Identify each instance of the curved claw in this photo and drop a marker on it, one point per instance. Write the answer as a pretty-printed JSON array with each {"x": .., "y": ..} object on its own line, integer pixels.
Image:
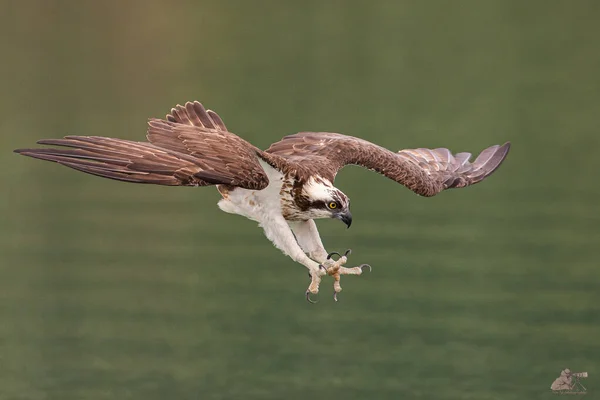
[
  {"x": 309, "y": 299},
  {"x": 348, "y": 252},
  {"x": 335, "y": 296},
  {"x": 332, "y": 253},
  {"x": 365, "y": 265}
]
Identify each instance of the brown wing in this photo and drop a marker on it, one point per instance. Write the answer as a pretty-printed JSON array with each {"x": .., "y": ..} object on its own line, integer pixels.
[
  {"x": 192, "y": 129},
  {"x": 192, "y": 148},
  {"x": 425, "y": 172},
  {"x": 224, "y": 157}
]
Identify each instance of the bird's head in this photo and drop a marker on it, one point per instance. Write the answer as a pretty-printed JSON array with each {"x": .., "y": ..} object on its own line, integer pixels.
[{"x": 323, "y": 200}]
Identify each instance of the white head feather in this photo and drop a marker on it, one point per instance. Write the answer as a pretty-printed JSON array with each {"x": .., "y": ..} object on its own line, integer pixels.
[{"x": 318, "y": 189}]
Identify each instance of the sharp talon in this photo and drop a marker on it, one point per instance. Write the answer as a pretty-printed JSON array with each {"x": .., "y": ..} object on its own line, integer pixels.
[
  {"x": 335, "y": 296},
  {"x": 332, "y": 253},
  {"x": 308, "y": 298},
  {"x": 365, "y": 265},
  {"x": 322, "y": 267},
  {"x": 347, "y": 253}
]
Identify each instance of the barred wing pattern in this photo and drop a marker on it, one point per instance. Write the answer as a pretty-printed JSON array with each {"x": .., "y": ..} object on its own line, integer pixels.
[{"x": 425, "y": 172}]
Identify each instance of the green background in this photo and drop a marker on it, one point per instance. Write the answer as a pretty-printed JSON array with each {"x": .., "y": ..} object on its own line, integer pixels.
[{"x": 113, "y": 290}]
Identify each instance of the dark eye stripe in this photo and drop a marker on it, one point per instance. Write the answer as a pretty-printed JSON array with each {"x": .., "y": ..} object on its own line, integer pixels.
[
  {"x": 325, "y": 204},
  {"x": 318, "y": 204}
]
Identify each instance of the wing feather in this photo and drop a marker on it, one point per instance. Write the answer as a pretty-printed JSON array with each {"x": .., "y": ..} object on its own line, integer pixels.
[
  {"x": 194, "y": 113},
  {"x": 424, "y": 171},
  {"x": 118, "y": 159},
  {"x": 191, "y": 148}
]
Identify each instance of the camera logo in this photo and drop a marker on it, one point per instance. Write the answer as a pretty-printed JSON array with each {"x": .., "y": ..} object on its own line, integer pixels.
[{"x": 569, "y": 383}]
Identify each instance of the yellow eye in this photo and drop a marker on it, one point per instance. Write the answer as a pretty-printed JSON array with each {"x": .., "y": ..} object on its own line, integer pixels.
[{"x": 332, "y": 205}]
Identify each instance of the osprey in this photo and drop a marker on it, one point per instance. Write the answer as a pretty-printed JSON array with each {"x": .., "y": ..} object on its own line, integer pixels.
[{"x": 284, "y": 188}]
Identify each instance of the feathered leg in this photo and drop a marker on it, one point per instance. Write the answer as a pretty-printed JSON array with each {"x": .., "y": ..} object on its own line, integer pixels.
[{"x": 278, "y": 231}]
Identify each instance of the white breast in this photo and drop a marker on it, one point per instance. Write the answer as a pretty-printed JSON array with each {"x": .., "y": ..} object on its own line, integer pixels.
[{"x": 256, "y": 204}]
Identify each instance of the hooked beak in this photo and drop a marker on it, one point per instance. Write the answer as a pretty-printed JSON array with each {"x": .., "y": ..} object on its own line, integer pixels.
[{"x": 345, "y": 217}]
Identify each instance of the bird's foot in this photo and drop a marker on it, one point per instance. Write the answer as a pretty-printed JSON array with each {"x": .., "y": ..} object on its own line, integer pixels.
[
  {"x": 336, "y": 270},
  {"x": 315, "y": 280}
]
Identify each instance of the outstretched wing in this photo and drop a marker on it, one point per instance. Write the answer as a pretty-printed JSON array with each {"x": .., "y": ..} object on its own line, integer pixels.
[
  {"x": 425, "y": 172},
  {"x": 191, "y": 148}
]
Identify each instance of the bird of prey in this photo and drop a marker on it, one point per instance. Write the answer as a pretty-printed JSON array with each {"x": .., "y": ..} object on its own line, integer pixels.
[{"x": 284, "y": 188}]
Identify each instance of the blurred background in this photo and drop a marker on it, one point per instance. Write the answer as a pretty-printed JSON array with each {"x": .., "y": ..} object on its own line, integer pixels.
[{"x": 114, "y": 290}]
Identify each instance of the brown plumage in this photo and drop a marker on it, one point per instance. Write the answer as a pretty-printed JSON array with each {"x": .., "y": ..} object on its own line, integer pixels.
[
  {"x": 425, "y": 172},
  {"x": 192, "y": 147}
]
